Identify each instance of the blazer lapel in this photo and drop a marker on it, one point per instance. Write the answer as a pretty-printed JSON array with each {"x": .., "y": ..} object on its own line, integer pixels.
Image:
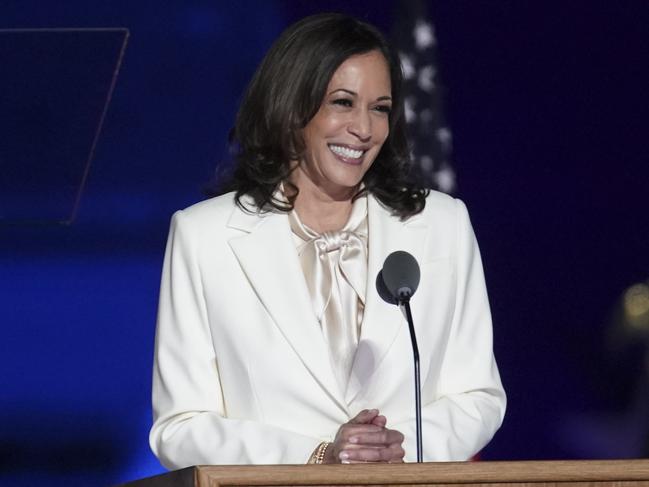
[
  {"x": 268, "y": 258},
  {"x": 382, "y": 321}
]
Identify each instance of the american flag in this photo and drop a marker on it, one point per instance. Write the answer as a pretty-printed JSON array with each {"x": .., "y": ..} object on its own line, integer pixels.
[{"x": 430, "y": 137}]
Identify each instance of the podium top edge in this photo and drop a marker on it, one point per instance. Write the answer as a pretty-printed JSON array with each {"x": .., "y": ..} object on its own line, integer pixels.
[{"x": 432, "y": 472}]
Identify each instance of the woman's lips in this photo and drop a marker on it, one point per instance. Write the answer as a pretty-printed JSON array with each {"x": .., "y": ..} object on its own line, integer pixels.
[{"x": 347, "y": 154}]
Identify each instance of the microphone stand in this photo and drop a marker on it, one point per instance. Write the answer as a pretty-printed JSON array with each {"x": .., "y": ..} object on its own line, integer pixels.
[{"x": 404, "y": 300}]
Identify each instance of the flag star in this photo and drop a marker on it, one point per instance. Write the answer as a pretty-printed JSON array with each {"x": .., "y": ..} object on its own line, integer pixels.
[
  {"x": 445, "y": 138},
  {"x": 409, "y": 108},
  {"x": 426, "y": 163},
  {"x": 424, "y": 35},
  {"x": 407, "y": 65},
  {"x": 425, "y": 80},
  {"x": 426, "y": 116},
  {"x": 445, "y": 179}
]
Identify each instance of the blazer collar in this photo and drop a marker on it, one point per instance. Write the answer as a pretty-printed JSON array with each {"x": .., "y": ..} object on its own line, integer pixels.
[{"x": 269, "y": 259}]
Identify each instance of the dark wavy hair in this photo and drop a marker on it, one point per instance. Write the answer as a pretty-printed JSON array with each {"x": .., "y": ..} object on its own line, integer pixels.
[{"x": 286, "y": 92}]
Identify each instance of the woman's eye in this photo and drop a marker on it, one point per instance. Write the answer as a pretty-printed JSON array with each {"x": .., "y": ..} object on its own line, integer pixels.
[
  {"x": 343, "y": 102},
  {"x": 383, "y": 108}
]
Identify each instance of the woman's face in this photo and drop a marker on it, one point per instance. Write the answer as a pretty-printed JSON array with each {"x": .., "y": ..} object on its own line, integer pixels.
[{"x": 346, "y": 134}]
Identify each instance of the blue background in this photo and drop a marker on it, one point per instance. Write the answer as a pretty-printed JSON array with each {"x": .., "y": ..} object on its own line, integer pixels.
[{"x": 548, "y": 108}]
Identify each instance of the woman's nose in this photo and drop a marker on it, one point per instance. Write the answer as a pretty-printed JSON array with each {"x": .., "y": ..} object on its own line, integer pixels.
[{"x": 361, "y": 125}]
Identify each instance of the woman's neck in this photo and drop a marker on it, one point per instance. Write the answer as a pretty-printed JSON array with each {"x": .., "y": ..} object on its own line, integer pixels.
[
  {"x": 323, "y": 216},
  {"x": 321, "y": 211}
]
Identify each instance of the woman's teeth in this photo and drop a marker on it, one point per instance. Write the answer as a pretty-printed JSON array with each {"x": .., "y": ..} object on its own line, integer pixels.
[{"x": 345, "y": 152}]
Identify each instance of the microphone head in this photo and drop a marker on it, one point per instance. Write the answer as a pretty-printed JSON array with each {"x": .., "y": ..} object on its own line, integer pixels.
[
  {"x": 383, "y": 290},
  {"x": 401, "y": 274}
]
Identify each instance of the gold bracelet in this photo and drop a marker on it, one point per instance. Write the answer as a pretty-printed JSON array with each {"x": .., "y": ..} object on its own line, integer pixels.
[{"x": 317, "y": 457}]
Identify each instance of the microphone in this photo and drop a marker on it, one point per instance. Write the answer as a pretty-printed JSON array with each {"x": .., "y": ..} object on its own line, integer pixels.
[
  {"x": 396, "y": 283},
  {"x": 401, "y": 275}
]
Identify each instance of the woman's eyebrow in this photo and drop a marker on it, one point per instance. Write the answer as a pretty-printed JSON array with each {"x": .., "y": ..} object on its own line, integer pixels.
[{"x": 353, "y": 93}]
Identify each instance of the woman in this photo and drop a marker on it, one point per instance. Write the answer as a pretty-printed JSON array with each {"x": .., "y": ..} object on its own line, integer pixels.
[{"x": 273, "y": 345}]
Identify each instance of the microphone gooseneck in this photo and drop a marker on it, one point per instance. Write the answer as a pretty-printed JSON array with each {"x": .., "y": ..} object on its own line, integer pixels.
[{"x": 396, "y": 284}]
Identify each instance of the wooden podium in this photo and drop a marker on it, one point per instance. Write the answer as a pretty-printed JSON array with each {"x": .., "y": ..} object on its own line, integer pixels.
[{"x": 591, "y": 473}]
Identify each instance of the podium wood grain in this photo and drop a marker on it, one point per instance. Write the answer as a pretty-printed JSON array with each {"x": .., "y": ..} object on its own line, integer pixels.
[{"x": 585, "y": 473}]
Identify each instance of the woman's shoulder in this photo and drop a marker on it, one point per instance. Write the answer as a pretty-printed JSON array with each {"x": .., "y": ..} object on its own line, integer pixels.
[
  {"x": 439, "y": 200},
  {"x": 438, "y": 205},
  {"x": 444, "y": 206},
  {"x": 207, "y": 214}
]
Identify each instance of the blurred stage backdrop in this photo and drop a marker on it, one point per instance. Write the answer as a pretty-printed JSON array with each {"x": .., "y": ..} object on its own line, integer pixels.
[{"x": 546, "y": 105}]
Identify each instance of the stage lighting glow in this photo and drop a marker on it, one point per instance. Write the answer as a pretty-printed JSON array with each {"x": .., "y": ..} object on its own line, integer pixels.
[{"x": 636, "y": 306}]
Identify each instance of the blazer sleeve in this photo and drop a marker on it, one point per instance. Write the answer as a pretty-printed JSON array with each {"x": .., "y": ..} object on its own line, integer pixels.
[
  {"x": 470, "y": 402},
  {"x": 190, "y": 423}
]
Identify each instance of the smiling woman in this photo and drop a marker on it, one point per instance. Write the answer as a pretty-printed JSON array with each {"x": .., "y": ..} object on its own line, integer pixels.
[
  {"x": 273, "y": 346},
  {"x": 293, "y": 88}
]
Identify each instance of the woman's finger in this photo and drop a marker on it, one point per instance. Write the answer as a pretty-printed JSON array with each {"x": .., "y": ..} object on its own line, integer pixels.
[
  {"x": 398, "y": 453},
  {"x": 348, "y": 430},
  {"x": 365, "y": 416},
  {"x": 384, "y": 437},
  {"x": 380, "y": 420},
  {"x": 367, "y": 455}
]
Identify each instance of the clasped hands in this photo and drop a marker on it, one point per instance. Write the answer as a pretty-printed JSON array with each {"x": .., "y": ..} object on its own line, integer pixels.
[{"x": 365, "y": 439}]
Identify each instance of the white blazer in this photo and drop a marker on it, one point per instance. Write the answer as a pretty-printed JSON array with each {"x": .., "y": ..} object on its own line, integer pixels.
[{"x": 242, "y": 373}]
